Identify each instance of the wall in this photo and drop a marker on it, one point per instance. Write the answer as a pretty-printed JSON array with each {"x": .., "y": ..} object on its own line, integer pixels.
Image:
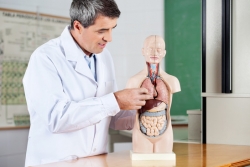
[
  {"x": 227, "y": 114},
  {"x": 139, "y": 19},
  {"x": 13, "y": 144},
  {"x": 55, "y": 7},
  {"x": 183, "y": 59},
  {"x": 241, "y": 50},
  {"x": 213, "y": 46}
]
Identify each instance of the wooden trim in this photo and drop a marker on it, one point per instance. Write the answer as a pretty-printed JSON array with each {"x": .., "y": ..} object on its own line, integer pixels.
[
  {"x": 226, "y": 95},
  {"x": 33, "y": 13},
  {"x": 14, "y": 127}
]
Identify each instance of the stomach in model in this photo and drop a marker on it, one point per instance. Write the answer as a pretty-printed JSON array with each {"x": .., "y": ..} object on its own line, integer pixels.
[{"x": 161, "y": 107}]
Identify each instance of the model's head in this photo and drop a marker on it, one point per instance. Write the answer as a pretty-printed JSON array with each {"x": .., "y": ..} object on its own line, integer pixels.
[
  {"x": 154, "y": 49},
  {"x": 92, "y": 22}
]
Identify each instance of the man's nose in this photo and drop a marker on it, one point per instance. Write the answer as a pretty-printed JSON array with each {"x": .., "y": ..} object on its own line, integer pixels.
[{"x": 108, "y": 36}]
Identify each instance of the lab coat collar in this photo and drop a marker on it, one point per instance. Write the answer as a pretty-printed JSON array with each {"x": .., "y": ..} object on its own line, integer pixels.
[
  {"x": 83, "y": 68},
  {"x": 71, "y": 48},
  {"x": 74, "y": 53}
]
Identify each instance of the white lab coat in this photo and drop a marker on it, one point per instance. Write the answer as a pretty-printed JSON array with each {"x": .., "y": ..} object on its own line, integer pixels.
[{"x": 70, "y": 112}]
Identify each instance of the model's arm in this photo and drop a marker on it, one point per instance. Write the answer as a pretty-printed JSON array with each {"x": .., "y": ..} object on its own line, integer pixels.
[
  {"x": 46, "y": 99},
  {"x": 175, "y": 85},
  {"x": 123, "y": 120}
]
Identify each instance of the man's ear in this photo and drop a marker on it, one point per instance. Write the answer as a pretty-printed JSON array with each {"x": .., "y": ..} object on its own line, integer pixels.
[{"x": 77, "y": 26}]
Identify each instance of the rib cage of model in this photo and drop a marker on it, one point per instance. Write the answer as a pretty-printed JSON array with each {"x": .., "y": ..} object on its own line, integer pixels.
[{"x": 152, "y": 133}]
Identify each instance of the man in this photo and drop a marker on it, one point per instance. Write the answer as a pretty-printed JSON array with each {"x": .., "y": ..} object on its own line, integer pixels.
[{"x": 69, "y": 85}]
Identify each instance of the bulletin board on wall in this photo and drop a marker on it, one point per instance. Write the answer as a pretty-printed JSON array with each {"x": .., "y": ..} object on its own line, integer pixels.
[{"x": 20, "y": 34}]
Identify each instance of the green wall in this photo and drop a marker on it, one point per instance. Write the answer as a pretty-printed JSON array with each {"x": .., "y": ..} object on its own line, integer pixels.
[{"x": 183, "y": 58}]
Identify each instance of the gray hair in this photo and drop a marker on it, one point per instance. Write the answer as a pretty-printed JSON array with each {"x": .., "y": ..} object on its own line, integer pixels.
[{"x": 86, "y": 11}]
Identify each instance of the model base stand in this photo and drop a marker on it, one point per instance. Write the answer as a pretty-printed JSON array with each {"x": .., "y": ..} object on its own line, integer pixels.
[{"x": 140, "y": 159}]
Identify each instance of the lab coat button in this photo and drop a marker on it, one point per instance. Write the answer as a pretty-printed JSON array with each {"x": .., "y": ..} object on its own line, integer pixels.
[{"x": 94, "y": 149}]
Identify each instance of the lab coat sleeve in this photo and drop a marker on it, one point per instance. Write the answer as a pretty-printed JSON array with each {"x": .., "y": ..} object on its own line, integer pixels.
[
  {"x": 124, "y": 120},
  {"x": 46, "y": 99}
]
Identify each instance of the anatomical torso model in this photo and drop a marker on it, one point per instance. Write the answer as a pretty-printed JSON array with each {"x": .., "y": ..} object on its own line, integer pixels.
[{"x": 152, "y": 132}]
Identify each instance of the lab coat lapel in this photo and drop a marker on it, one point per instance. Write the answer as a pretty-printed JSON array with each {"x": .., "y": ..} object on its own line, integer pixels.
[
  {"x": 74, "y": 53},
  {"x": 99, "y": 68},
  {"x": 100, "y": 75},
  {"x": 83, "y": 68},
  {"x": 69, "y": 46}
]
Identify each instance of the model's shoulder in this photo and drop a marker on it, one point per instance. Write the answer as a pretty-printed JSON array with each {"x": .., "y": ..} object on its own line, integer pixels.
[
  {"x": 168, "y": 76},
  {"x": 140, "y": 75},
  {"x": 136, "y": 80},
  {"x": 172, "y": 81}
]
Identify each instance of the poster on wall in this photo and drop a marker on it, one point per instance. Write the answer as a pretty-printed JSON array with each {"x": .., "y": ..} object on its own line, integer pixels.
[{"x": 20, "y": 34}]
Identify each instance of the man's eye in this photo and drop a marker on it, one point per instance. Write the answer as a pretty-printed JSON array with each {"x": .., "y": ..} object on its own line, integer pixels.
[{"x": 100, "y": 32}]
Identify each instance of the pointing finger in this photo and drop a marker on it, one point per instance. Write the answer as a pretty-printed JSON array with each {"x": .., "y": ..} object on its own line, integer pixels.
[
  {"x": 140, "y": 103},
  {"x": 143, "y": 91},
  {"x": 144, "y": 97}
]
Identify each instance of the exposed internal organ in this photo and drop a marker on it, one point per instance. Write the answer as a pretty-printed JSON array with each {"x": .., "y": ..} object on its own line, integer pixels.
[
  {"x": 150, "y": 104},
  {"x": 153, "y": 124},
  {"x": 156, "y": 88}
]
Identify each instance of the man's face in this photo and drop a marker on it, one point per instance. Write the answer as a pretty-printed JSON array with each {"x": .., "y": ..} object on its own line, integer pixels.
[
  {"x": 154, "y": 49},
  {"x": 94, "y": 38}
]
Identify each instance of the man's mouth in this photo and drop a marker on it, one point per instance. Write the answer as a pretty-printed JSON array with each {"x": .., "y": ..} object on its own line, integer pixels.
[{"x": 102, "y": 45}]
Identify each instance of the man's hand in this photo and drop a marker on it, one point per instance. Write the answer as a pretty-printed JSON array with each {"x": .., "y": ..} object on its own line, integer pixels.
[{"x": 132, "y": 99}]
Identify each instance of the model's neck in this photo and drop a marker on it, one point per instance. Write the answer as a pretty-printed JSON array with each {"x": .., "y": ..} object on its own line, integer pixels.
[{"x": 153, "y": 71}]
